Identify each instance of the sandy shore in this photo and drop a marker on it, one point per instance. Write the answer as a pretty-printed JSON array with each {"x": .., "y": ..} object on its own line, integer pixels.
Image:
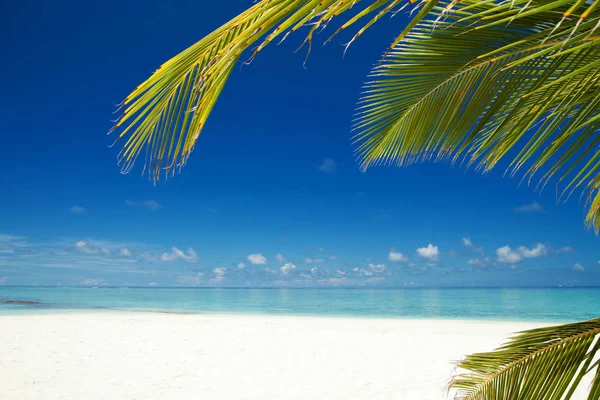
[{"x": 161, "y": 356}]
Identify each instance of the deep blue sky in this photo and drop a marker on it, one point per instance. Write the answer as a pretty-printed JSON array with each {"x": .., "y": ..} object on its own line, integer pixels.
[{"x": 253, "y": 184}]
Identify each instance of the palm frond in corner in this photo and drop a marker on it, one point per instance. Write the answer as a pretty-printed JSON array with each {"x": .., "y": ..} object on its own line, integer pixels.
[
  {"x": 485, "y": 80},
  {"x": 547, "y": 363}
]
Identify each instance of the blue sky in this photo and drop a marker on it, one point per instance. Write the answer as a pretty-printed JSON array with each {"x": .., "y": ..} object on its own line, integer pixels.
[{"x": 272, "y": 174}]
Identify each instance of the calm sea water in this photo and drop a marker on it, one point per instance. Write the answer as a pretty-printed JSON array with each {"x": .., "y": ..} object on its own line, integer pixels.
[{"x": 560, "y": 305}]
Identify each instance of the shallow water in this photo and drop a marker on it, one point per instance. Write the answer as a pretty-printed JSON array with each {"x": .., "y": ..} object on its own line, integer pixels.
[{"x": 539, "y": 304}]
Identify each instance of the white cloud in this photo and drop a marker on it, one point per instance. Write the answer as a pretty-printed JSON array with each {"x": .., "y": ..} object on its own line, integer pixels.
[
  {"x": 77, "y": 210},
  {"x": 241, "y": 265},
  {"x": 257, "y": 259},
  {"x": 430, "y": 252},
  {"x": 378, "y": 268},
  {"x": 287, "y": 268},
  {"x": 149, "y": 204},
  {"x": 467, "y": 242},
  {"x": 94, "y": 247},
  {"x": 374, "y": 280},
  {"x": 327, "y": 166},
  {"x": 309, "y": 260},
  {"x": 85, "y": 247},
  {"x": 395, "y": 256},
  {"x": 507, "y": 255},
  {"x": 280, "y": 258},
  {"x": 578, "y": 267},
  {"x": 176, "y": 254},
  {"x": 219, "y": 274},
  {"x": 3, "y": 280},
  {"x": 538, "y": 251},
  {"x": 91, "y": 282},
  {"x": 340, "y": 272},
  {"x": 153, "y": 284},
  {"x": 333, "y": 257},
  {"x": 479, "y": 261},
  {"x": 314, "y": 270},
  {"x": 530, "y": 208},
  {"x": 372, "y": 270},
  {"x": 125, "y": 252}
]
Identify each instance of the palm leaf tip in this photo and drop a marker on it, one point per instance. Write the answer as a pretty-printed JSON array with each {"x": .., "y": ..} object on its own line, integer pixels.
[
  {"x": 545, "y": 363},
  {"x": 164, "y": 116}
]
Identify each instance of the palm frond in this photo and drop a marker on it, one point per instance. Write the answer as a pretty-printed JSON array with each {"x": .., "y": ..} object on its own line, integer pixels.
[
  {"x": 481, "y": 80},
  {"x": 165, "y": 114},
  {"x": 547, "y": 363}
]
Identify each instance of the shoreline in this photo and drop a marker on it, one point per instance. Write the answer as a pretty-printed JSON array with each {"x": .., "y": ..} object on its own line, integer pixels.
[
  {"x": 43, "y": 310},
  {"x": 124, "y": 355}
]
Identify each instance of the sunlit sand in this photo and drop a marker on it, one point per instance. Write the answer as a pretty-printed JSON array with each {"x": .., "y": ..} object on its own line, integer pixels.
[{"x": 118, "y": 355}]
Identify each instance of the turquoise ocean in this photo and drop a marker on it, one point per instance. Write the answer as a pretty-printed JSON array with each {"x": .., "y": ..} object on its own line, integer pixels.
[{"x": 539, "y": 304}]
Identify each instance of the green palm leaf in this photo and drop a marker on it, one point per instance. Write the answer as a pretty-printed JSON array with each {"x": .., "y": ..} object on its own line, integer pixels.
[
  {"x": 546, "y": 363},
  {"x": 482, "y": 80},
  {"x": 165, "y": 114}
]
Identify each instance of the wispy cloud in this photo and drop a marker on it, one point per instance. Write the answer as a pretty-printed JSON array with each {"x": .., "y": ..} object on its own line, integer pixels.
[
  {"x": 309, "y": 260},
  {"x": 530, "y": 208},
  {"x": 219, "y": 275},
  {"x": 467, "y": 242},
  {"x": 564, "y": 249},
  {"x": 280, "y": 258},
  {"x": 578, "y": 268},
  {"x": 87, "y": 248},
  {"x": 373, "y": 269},
  {"x": 10, "y": 238},
  {"x": 149, "y": 204},
  {"x": 125, "y": 252},
  {"x": 327, "y": 166},
  {"x": 77, "y": 209},
  {"x": 395, "y": 256},
  {"x": 480, "y": 262}
]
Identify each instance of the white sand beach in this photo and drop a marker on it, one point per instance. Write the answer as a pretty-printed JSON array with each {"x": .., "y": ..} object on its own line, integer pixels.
[{"x": 113, "y": 355}]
